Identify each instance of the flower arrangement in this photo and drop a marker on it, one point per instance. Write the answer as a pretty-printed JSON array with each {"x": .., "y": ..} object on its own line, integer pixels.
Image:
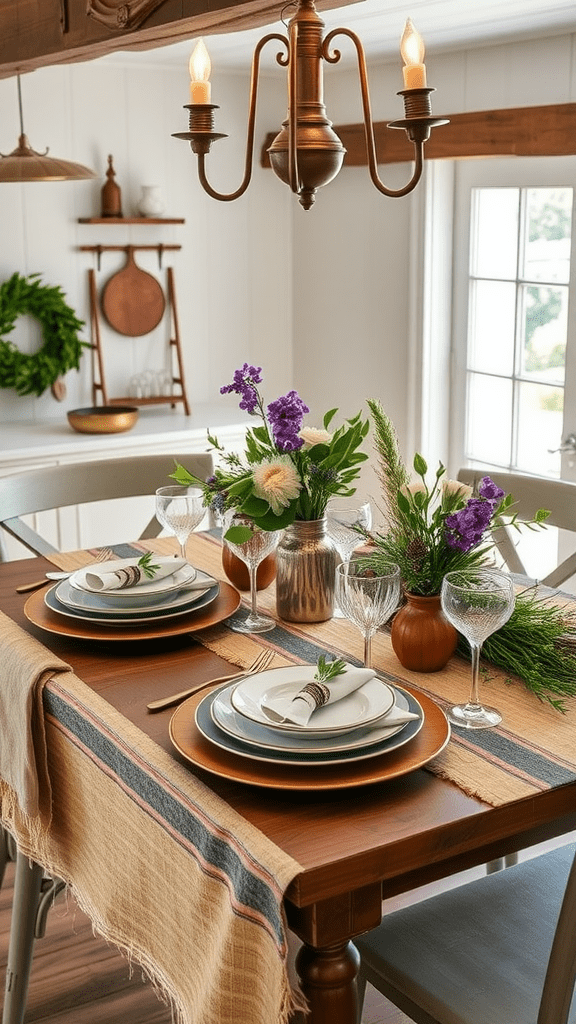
[
  {"x": 288, "y": 471},
  {"x": 434, "y": 529}
]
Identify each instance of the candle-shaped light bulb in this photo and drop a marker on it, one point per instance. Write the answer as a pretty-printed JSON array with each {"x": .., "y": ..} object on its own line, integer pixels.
[
  {"x": 412, "y": 50},
  {"x": 200, "y": 68}
]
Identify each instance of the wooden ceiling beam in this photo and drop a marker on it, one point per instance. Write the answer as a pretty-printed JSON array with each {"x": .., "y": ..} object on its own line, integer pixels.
[
  {"x": 518, "y": 131},
  {"x": 37, "y": 33}
]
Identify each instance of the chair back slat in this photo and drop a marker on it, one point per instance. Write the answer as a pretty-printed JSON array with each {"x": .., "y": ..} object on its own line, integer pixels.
[
  {"x": 558, "y": 990},
  {"x": 55, "y": 487},
  {"x": 531, "y": 493}
]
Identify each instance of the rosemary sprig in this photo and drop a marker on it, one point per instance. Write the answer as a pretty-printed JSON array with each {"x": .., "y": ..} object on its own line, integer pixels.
[
  {"x": 144, "y": 563},
  {"x": 326, "y": 670},
  {"x": 537, "y": 644}
]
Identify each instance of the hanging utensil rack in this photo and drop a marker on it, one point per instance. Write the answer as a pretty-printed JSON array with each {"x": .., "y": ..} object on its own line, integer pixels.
[{"x": 99, "y": 387}]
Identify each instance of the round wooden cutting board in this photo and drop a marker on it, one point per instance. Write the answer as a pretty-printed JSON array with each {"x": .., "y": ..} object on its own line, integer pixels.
[{"x": 132, "y": 300}]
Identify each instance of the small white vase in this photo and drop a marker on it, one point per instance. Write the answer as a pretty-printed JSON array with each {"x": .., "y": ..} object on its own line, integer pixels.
[{"x": 151, "y": 203}]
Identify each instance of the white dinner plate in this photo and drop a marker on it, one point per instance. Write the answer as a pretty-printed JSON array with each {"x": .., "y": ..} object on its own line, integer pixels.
[
  {"x": 227, "y": 719},
  {"x": 83, "y": 600},
  {"x": 213, "y": 734},
  {"x": 132, "y": 595},
  {"x": 359, "y": 708},
  {"x": 117, "y": 619}
]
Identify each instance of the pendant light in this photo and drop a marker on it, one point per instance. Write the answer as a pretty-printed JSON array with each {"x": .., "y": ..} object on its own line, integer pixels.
[{"x": 25, "y": 164}]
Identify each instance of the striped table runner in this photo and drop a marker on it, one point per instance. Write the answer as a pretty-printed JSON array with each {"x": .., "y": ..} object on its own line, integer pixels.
[{"x": 534, "y": 749}]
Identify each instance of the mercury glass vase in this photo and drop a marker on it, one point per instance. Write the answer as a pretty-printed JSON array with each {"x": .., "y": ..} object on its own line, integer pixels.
[{"x": 306, "y": 560}]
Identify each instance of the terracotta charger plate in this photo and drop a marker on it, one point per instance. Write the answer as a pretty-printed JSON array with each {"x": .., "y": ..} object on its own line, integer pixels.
[
  {"x": 191, "y": 744},
  {"x": 40, "y": 615}
]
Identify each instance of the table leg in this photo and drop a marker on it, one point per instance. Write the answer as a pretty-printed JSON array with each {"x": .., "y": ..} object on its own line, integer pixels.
[
  {"x": 27, "y": 889},
  {"x": 7, "y": 851},
  {"x": 328, "y": 962},
  {"x": 328, "y": 980}
]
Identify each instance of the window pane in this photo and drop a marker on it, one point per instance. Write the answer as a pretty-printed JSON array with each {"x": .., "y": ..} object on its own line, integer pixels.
[
  {"x": 489, "y": 426},
  {"x": 540, "y": 411},
  {"x": 544, "y": 323},
  {"x": 495, "y": 232},
  {"x": 491, "y": 321},
  {"x": 547, "y": 234}
]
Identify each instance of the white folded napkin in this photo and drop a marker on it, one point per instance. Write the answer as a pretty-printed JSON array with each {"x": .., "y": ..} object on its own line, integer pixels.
[
  {"x": 391, "y": 720},
  {"x": 130, "y": 574},
  {"x": 298, "y": 709}
]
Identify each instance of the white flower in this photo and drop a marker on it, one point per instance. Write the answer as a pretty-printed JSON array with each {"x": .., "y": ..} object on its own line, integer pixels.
[
  {"x": 409, "y": 490},
  {"x": 277, "y": 482},
  {"x": 314, "y": 435},
  {"x": 455, "y": 489}
]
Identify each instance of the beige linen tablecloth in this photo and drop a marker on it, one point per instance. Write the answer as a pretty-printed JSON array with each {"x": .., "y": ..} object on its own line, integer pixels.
[{"x": 164, "y": 868}]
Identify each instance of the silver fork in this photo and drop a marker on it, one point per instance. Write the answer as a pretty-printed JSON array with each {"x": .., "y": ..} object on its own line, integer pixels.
[
  {"x": 260, "y": 663},
  {"x": 102, "y": 556}
]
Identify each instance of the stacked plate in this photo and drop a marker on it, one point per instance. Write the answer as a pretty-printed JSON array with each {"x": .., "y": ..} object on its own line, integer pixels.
[
  {"x": 183, "y": 591},
  {"x": 366, "y": 723}
]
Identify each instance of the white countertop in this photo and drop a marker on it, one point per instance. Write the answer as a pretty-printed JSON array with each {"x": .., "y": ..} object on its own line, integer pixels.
[{"x": 155, "y": 428}]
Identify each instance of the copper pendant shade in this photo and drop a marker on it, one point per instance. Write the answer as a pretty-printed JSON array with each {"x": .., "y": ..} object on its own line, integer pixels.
[{"x": 25, "y": 164}]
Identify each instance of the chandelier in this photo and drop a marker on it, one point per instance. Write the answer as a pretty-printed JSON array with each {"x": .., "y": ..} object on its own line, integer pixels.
[{"x": 307, "y": 152}]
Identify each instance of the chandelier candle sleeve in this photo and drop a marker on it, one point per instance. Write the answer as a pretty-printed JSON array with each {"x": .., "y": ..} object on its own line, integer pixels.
[
  {"x": 412, "y": 50},
  {"x": 200, "y": 68}
]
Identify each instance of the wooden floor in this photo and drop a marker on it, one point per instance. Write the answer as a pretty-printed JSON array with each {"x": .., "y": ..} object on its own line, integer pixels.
[{"x": 78, "y": 979}]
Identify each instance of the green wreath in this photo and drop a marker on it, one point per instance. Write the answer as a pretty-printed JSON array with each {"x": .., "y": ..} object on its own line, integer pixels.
[{"x": 62, "y": 348}]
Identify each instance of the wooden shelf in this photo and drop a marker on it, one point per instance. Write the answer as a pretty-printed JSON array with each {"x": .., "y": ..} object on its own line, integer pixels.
[
  {"x": 152, "y": 400},
  {"x": 131, "y": 220}
]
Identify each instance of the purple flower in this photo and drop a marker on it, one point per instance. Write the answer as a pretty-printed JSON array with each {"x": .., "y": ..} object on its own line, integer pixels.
[
  {"x": 285, "y": 416},
  {"x": 465, "y": 529},
  {"x": 489, "y": 490},
  {"x": 244, "y": 384}
]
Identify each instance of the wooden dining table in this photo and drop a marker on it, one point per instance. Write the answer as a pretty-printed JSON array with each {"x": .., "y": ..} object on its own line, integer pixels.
[{"x": 356, "y": 846}]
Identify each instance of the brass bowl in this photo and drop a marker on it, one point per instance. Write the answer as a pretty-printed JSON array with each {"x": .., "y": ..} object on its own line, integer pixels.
[{"x": 103, "y": 419}]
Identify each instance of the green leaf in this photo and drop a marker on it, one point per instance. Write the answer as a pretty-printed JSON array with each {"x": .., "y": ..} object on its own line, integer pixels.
[
  {"x": 403, "y": 503},
  {"x": 254, "y": 507},
  {"x": 329, "y": 417},
  {"x": 238, "y": 534},
  {"x": 420, "y": 465}
]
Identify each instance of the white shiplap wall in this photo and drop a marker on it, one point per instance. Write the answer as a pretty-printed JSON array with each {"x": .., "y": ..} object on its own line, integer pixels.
[{"x": 328, "y": 301}]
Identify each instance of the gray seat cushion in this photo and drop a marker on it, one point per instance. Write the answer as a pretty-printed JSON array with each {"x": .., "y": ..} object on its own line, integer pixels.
[{"x": 477, "y": 954}]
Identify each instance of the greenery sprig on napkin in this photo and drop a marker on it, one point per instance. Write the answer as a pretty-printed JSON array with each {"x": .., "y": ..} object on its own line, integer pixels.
[
  {"x": 326, "y": 670},
  {"x": 148, "y": 569}
]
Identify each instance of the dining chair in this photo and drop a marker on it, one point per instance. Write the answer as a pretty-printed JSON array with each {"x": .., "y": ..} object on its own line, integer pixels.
[
  {"x": 53, "y": 487},
  {"x": 498, "y": 950},
  {"x": 23, "y": 494},
  {"x": 531, "y": 493}
]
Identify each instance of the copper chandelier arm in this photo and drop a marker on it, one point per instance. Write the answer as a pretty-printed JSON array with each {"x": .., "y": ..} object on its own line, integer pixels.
[
  {"x": 248, "y": 163},
  {"x": 293, "y": 175},
  {"x": 333, "y": 58}
]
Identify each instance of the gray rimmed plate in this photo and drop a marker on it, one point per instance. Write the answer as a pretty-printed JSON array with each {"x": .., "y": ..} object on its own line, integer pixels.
[
  {"x": 213, "y": 734},
  {"x": 119, "y": 619}
]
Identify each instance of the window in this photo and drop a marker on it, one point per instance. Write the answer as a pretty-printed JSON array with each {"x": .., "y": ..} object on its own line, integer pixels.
[{"x": 518, "y": 292}]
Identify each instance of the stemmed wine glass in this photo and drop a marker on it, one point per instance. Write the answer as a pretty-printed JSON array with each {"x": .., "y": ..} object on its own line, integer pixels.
[
  {"x": 341, "y": 522},
  {"x": 367, "y": 598},
  {"x": 252, "y": 551},
  {"x": 180, "y": 509},
  {"x": 477, "y": 602}
]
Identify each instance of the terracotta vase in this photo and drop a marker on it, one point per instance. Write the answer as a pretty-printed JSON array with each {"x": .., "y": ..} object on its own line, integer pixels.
[
  {"x": 422, "y": 638},
  {"x": 237, "y": 570}
]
